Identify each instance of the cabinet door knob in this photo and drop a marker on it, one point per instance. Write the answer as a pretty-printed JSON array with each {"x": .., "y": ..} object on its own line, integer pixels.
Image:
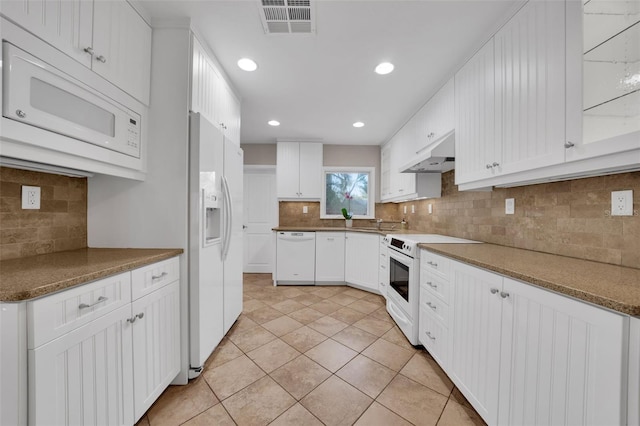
[
  {"x": 20, "y": 113},
  {"x": 504, "y": 294},
  {"x": 89, "y": 50},
  {"x": 494, "y": 290},
  {"x": 101, "y": 59},
  {"x": 489, "y": 166},
  {"x": 568, "y": 144},
  {"x": 495, "y": 164}
]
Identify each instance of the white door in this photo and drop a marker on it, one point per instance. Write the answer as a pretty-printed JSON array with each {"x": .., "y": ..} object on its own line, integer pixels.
[{"x": 260, "y": 216}]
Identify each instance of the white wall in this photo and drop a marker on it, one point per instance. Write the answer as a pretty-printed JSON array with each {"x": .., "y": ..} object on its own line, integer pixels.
[{"x": 153, "y": 213}]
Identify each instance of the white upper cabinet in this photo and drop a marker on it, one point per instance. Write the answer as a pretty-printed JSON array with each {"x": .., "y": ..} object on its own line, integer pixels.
[
  {"x": 529, "y": 91},
  {"x": 398, "y": 186},
  {"x": 510, "y": 99},
  {"x": 603, "y": 100},
  {"x": 436, "y": 118},
  {"x": 299, "y": 170},
  {"x": 122, "y": 47},
  {"x": 109, "y": 37},
  {"x": 211, "y": 96},
  {"x": 475, "y": 116},
  {"x": 205, "y": 84},
  {"x": 66, "y": 25}
]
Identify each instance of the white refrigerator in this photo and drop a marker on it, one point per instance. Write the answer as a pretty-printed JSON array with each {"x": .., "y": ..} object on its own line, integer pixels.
[{"x": 215, "y": 238}]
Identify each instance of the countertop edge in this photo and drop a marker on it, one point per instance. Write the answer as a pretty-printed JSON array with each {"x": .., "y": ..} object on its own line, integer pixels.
[
  {"x": 582, "y": 295},
  {"x": 21, "y": 295}
]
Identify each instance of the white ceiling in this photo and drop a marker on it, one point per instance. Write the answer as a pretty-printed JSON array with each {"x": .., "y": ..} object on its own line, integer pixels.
[{"x": 318, "y": 85}]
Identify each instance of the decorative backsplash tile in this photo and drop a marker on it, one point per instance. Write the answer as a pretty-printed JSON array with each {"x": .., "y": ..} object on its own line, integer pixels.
[
  {"x": 60, "y": 224},
  {"x": 570, "y": 218}
]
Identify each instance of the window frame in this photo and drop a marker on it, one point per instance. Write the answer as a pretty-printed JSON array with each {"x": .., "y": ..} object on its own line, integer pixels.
[{"x": 370, "y": 191}]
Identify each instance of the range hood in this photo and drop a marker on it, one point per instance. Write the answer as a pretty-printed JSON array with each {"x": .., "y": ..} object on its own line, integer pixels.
[{"x": 436, "y": 158}]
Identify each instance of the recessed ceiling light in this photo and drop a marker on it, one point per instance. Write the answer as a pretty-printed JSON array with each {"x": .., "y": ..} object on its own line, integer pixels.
[
  {"x": 273, "y": 123},
  {"x": 358, "y": 124},
  {"x": 384, "y": 68},
  {"x": 247, "y": 64}
]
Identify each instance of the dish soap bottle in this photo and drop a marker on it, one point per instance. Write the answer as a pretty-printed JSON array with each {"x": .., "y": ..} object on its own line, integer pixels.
[{"x": 403, "y": 224}]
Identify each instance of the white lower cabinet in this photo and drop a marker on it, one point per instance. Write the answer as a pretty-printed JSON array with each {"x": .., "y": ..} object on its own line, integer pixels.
[
  {"x": 156, "y": 344},
  {"x": 330, "y": 257},
  {"x": 362, "y": 260},
  {"x": 97, "y": 356},
  {"x": 562, "y": 361},
  {"x": 524, "y": 355},
  {"x": 475, "y": 337},
  {"x": 383, "y": 271},
  {"x": 84, "y": 377}
]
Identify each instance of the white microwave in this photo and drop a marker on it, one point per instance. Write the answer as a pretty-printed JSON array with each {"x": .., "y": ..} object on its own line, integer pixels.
[{"x": 37, "y": 94}]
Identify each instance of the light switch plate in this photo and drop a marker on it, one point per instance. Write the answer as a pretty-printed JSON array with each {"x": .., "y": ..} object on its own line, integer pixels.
[
  {"x": 430, "y": 208},
  {"x": 413, "y": 208},
  {"x": 622, "y": 203},
  {"x": 30, "y": 197},
  {"x": 510, "y": 206}
]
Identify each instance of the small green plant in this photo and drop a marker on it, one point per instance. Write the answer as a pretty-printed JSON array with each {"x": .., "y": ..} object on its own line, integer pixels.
[{"x": 346, "y": 214}]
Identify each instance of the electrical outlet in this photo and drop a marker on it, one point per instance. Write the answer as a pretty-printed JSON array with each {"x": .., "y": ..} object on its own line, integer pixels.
[
  {"x": 413, "y": 208},
  {"x": 305, "y": 209},
  {"x": 405, "y": 209},
  {"x": 622, "y": 203},
  {"x": 30, "y": 197},
  {"x": 430, "y": 208},
  {"x": 510, "y": 206}
]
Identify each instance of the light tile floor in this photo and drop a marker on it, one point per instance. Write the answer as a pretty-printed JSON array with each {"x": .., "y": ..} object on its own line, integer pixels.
[{"x": 312, "y": 356}]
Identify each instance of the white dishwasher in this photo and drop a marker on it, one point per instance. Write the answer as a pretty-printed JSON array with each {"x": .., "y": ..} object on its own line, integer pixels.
[{"x": 295, "y": 258}]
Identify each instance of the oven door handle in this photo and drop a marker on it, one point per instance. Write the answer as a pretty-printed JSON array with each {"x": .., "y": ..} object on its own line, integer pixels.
[{"x": 399, "y": 316}]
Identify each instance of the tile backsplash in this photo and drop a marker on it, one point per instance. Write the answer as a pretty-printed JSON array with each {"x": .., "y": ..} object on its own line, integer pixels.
[
  {"x": 60, "y": 224},
  {"x": 570, "y": 218}
]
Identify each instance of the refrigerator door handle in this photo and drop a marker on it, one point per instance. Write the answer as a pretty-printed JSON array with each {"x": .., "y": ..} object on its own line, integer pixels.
[{"x": 228, "y": 218}]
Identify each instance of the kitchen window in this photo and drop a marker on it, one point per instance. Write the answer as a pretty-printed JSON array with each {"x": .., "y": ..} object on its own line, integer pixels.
[{"x": 352, "y": 188}]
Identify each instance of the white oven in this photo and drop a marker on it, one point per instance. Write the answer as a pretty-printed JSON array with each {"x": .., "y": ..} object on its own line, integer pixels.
[
  {"x": 37, "y": 94},
  {"x": 403, "y": 292}
]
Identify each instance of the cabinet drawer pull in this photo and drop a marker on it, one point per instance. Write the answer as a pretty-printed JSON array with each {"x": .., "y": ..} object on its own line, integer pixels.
[
  {"x": 383, "y": 267},
  {"x": 504, "y": 294},
  {"x": 494, "y": 290},
  {"x": 435, "y": 265},
  {"x": 432, "y": 285},
  {"x": 89, "y": 50},
  {"x": 568, "y": 145},
  {"x": 432, "y": 306},
  {"x": 100, "y": 300},
  {"x": 330, "y": 239},
  {"x": 430, "y": 336},
  {"x": 157, "y": 277},
  {"x": 101, "y": 59}
]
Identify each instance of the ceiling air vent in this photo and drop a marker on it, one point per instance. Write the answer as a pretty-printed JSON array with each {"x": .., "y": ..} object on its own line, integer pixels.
[{"x": 287, "y": 16}]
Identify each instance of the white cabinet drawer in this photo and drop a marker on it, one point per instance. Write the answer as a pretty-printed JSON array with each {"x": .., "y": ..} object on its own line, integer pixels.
[
  {"x": 435, "y": 284},
  {"x": 435, "y": 264},
  {"x": 438, "y": 308},
  {"x": 52, "y": 316},
  {"x": 433, "y": 335},
  {"x": 150, "y": 278}
]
